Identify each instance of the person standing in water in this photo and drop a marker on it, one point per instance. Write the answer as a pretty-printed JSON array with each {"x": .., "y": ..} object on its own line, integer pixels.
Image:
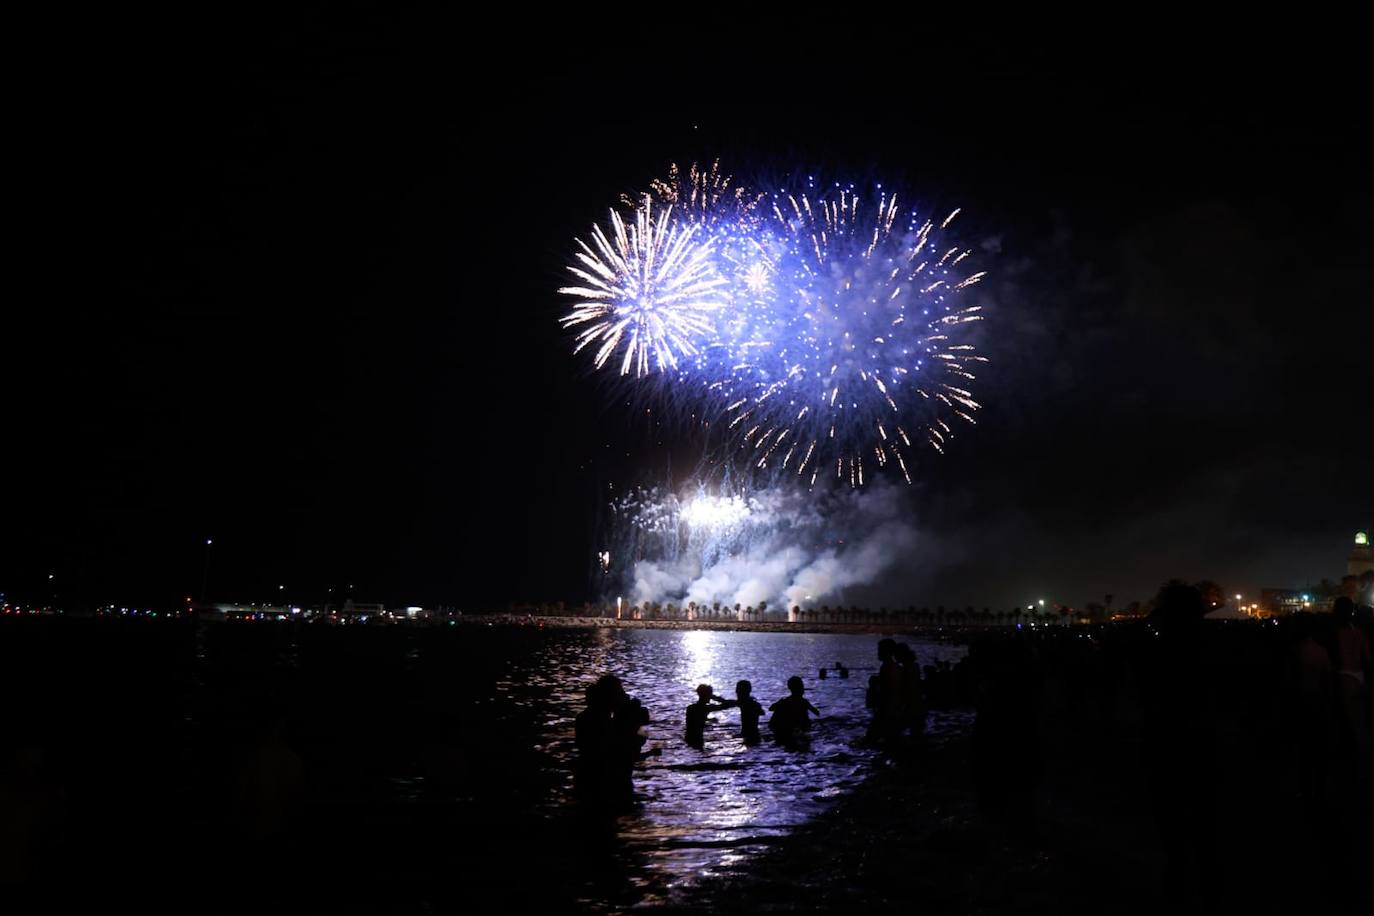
[
  {"x": 750, "y": 711},
  {"x": 698, "y": 713},
  {"x": 601, "y": 776},
  {"x": 791, "y": 714}
]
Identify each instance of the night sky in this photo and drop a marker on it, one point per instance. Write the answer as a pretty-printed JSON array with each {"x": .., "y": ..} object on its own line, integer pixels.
[{"x": 295, "y": 291}]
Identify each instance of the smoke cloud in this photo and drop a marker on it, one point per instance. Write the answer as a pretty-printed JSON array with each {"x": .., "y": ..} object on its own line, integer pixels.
[{"x": 784, "y": 546}]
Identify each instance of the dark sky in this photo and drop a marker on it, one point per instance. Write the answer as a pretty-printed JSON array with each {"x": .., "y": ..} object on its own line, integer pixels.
[{"x": 295, "y": 290}]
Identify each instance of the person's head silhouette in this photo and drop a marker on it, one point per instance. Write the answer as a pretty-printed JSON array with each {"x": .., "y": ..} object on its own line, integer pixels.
[{"x": 1178, "y": 609}]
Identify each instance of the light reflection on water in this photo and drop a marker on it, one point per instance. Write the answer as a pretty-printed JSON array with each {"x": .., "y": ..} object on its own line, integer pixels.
[{"x": 706, "y": 812}]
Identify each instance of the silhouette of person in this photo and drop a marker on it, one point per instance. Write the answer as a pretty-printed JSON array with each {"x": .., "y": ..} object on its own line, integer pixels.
[
  {"x": 1180, "y": 738},
  {"x": 604, "y": 759},
  {"x": 750, "y": 711},
  {"x": 1314, "y": 712},
  {"x": 913, "y": 703},
  {"x": 698, "y": 712},
  {"x": 1006, "y": 729},
  {"x": 888, "y": 699},
  {"x": 630, "y": 720},
  {"x": 31, "y": 807},
  {"x": 1353, "y": 660},
  {"x": 791, "y": 715},
  {"x": 271, "y": 777}
]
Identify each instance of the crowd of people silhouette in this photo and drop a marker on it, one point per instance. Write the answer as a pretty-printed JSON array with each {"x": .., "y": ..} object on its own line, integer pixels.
[{"x": 610, "y": 732}]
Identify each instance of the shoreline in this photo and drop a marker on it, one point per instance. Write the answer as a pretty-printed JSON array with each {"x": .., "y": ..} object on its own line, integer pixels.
[{"x": 738, "y": 626}]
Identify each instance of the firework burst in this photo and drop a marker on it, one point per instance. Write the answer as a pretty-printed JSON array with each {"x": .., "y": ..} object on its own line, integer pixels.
[
  {"x": 706, "y": 197},
  {"x": 650, "y": 289},
  {"x": 853, "y": 353},
  {"x": 823, "y": 330}
]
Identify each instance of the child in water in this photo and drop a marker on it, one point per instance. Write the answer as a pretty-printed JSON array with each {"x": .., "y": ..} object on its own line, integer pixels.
[
  {"x": 791, "y": 715},
  {"x": 697, "y": 714},
  {"x": 750, "y": 711}
]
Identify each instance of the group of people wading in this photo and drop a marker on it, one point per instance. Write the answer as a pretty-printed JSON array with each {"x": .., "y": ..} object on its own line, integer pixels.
[{"x": 611, "y": 731}]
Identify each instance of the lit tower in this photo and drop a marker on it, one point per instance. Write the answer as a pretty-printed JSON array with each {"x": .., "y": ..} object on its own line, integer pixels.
[{"x": 1361, "y": 559}]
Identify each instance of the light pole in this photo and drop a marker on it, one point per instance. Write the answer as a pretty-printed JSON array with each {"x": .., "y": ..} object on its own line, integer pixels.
[{"x": 205, "y": 573}]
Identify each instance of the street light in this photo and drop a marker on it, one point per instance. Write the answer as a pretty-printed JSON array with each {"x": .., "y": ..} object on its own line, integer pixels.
[{"x": 205, "y": 573}]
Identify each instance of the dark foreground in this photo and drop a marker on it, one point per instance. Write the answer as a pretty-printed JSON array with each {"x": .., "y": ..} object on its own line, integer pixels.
[
  {"x": 1067, "y": 811},
  {"x": 231, "y": 768}
]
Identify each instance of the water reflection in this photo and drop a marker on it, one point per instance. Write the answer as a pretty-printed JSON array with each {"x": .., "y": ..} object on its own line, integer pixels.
[
  {"x": 700, "y": 654},
  {"x": 706, "y": 812}
]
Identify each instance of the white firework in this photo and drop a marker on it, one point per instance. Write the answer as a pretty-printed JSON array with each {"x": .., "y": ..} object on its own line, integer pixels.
[{"x": 651, "y": 289}]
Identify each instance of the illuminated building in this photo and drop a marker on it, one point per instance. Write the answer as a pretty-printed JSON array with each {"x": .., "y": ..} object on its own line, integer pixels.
[
  {"x": 1361, "y": 559},
  {"x": 1296, "y": 600}
]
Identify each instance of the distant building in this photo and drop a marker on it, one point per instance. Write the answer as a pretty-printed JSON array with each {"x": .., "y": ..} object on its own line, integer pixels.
[
  {"x": 355, "y": 609},
  {"x": 228, "y": 611},
  {"x": 1361, "y": 559},
  {"x": 1296, "y": 600}
]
